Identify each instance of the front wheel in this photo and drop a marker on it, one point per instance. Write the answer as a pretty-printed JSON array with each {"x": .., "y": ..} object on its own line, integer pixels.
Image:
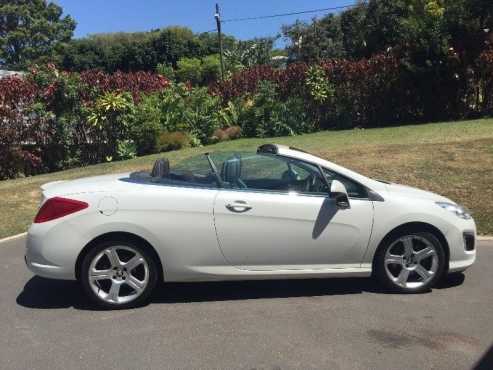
[
  {"x": 410, "y": 262},
  {"x": 118, "y": 274}
]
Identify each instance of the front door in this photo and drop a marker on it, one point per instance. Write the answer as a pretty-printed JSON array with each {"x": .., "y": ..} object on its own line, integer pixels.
[{"x": 279, "y": 217}]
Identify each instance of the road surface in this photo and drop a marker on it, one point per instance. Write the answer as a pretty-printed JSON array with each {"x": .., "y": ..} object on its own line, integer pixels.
[{"x": 306, "y": 324}]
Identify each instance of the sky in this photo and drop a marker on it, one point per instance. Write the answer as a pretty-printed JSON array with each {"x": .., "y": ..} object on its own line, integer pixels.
[{"x": 97, "y": 16}]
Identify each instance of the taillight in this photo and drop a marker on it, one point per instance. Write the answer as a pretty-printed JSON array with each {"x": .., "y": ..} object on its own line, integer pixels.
[{"x": 58, "y": 207}]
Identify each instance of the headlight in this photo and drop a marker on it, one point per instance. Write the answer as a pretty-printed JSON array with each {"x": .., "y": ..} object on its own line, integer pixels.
[{"x": 460, "y": 211}]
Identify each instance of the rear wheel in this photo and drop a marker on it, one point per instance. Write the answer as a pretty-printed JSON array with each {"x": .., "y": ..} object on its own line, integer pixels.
[
  {"x": 410, "y": 262},
  {"x": 118, "y": 274}
]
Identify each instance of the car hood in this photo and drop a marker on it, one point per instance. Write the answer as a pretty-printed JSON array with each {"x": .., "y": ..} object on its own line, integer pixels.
[
  {"x": 410, "y": 192},
  {"x": 86, "y": 185}
]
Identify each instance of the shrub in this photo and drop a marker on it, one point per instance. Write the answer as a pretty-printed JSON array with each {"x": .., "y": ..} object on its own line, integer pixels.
[
  {"x": 126, "y": 149},
  {"x": 198, "y": 71},
  {"x": 318, "y": 85},
  {"x": 166, "y": 70},
  {"x": 211, "y": 69},
  {"x": 233, "y": 132},
  {"x": 224, "y": 134},
  {"x": 17, "y": 96},
  {"x": 135, "y": 83},
  {"x": 186, "y": 109},
  {"x": 168, "y": 141},
  {"x": 269, "y": 116},
  {"x": 245, "y": 82},
  {"x": 146, "y": 125},
  {"x": 189, "y": 70},
  {"x": 111, "y": 116}
]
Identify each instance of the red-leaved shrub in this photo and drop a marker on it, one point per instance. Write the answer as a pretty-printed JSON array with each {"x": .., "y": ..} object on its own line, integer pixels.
[{"x": 135, "y": 83}]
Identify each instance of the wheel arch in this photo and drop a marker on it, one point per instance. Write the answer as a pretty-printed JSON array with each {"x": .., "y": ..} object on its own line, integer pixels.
[
  {"x": 118, "y": 235},
  {"x": 414, "y": 227}
]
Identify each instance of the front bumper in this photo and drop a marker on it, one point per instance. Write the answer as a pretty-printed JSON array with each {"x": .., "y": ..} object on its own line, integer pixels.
[{"x": 461, "y": 254}]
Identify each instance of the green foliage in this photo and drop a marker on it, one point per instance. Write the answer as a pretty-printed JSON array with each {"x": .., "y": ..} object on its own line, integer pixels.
[
  {"x": 112, "y": 116},
  {"x": 270, "y": 116},
  {"x": 166, "y": 70},
  {"x": 422, "y": 32},
  {"x": 313, "y": 42},
  {"x": 138, "y": 51},
  {"x": 198, "y": 71},
  {"x": 147, "y": 124},
  {"x": 126, "y": 149},
  {"x": 245, "y": 54},
  {"x": 211, "y": 69},
  {"x": 30, "y": 30},
  {"x": 179, "y": 108},
  {"x": 318, "y": 84},
  {"x": 189, "y": 70}
]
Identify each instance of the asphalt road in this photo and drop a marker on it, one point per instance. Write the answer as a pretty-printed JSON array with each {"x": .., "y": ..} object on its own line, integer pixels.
[{"x": 319, "y": 324}]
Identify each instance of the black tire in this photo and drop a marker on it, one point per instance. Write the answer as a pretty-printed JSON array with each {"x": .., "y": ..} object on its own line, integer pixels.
[
  {"x": 146, "y": 292},
  {"x": 382, "y": 273}
]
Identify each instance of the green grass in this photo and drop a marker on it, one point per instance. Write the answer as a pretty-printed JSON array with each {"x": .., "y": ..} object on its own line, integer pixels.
[{"x": 453, "y": 159}]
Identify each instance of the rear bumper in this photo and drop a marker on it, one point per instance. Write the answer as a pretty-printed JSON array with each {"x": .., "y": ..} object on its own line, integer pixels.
[
  {"x": 47, "y": 271},
  {"x": 49, "y": 254}
]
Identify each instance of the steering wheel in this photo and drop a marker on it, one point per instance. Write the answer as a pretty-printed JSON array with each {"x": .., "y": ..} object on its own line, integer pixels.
[
  {"x": 310, "y": 183},
  {"x": 315, "y": 184}
]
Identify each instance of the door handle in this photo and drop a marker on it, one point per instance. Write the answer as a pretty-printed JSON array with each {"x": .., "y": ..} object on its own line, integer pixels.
[{"x": 238, "y": 206}]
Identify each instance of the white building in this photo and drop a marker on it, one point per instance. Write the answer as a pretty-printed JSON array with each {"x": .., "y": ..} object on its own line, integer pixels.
[{"x": 5, "y": 73}]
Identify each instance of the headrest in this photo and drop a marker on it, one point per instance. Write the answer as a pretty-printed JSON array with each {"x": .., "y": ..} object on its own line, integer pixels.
[
  {"x": 161, "y": 168},
  {"x": 231, "y": 170}
]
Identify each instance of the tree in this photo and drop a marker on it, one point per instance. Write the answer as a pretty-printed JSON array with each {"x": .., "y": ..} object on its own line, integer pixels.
[
  {"x": 31, "y": 29},
  {"x": 245, "y": 54},
  {"x": 137, "y": 51},
  {"x": 321, "y": 39}
]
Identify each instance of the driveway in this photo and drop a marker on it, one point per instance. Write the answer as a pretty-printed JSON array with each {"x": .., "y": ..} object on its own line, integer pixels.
[{"x": 319, "y": 324}]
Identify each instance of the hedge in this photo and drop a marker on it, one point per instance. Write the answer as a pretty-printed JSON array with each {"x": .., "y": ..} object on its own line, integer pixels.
[{"x": 50, "y": 120}]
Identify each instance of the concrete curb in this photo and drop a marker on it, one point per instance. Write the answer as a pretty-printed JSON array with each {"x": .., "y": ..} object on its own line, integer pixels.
[
  {"x": 12, "y": 237},
  {"x": 485, "y": 238}
]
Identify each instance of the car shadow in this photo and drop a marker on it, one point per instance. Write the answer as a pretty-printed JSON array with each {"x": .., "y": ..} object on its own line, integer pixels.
[
  {"x": 40, "y": 293},
  {"x": 486, "y": 361}
]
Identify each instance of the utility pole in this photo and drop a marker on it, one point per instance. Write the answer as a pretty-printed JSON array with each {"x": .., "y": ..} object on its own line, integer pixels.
[{"x": 220, "y": 38}]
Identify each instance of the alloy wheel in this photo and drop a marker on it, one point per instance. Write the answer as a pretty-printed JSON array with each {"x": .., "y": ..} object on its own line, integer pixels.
[
  {"x": 411, "y": 262},
  {"x": 118, "y": 274}
]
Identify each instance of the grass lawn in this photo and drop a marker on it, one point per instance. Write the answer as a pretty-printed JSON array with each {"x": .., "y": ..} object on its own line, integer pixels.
[{"x": 453, "y": 159}]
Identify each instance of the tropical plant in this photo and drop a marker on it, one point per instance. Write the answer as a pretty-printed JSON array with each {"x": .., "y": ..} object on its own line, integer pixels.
[
  {"x": 246, "y": 54},
  {"x": 111, "y": 116},
  {"x": 166, "y": 70},
  {"x": 318, "y": 84},
  {"x": 126, "y": 149}
]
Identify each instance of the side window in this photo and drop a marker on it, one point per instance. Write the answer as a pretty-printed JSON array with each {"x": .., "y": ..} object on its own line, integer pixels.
[
  {"x": 354, "y": 189},
  {"x": 192, "y": 172},
  {"x": 271, "y": 173},
  {"x": 261, "y": 167}
]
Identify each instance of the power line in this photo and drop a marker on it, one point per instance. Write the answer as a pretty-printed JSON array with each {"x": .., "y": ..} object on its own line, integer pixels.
[{"x": 287, "y": 14}]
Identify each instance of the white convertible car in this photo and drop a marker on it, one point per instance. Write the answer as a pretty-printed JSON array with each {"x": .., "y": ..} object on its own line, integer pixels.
[{"x": 277, "y": 213}]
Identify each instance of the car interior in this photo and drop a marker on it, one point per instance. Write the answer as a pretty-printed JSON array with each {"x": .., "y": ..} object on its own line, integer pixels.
[{"x": 294, "y": 177}]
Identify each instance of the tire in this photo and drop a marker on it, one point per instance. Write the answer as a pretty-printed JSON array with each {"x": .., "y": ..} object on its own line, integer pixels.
[
  {"x": 410, "y": 262},
  {"x": 118, "y": 274}
]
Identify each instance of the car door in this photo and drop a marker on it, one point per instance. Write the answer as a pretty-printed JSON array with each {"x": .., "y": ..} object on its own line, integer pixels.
[{"x": 273, "y": 221}]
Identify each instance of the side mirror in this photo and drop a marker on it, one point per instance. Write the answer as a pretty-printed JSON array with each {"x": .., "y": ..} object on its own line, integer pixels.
[{"x": 338, "y": 192}]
